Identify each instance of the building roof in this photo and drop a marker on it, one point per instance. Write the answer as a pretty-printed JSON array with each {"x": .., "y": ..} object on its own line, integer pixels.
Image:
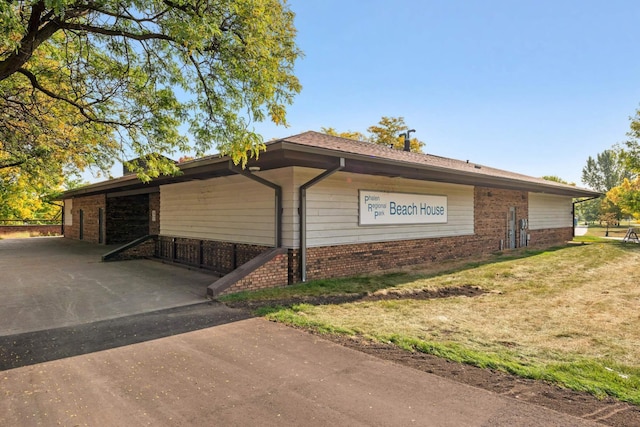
[{"x": 321, "y": 151}]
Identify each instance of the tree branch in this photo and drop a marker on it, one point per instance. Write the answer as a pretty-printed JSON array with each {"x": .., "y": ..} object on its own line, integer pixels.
[
  {"x": 36, "y": 85},
  {"x": 108, "y": 32},
  {"x": 36, "y": 34}
]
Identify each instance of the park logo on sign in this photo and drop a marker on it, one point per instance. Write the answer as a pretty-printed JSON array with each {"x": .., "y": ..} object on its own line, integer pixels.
[{"x": 382, "y": 208}]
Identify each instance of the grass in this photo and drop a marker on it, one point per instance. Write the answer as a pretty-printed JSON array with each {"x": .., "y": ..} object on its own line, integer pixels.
[
  {"x": 25, "y": 235},
  {"x": 567, "y": 315},
  {"x": 596, "y": 230}
]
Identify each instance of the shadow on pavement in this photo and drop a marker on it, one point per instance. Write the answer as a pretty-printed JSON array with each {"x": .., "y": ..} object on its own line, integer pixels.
[{"x": 52, "y": 344}]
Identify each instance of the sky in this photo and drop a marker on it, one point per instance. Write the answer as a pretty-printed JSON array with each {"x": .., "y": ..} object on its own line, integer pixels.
[{"x": 532, "y": 87}]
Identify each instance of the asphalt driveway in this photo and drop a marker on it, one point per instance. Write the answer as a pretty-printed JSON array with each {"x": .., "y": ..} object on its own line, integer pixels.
[
  {"x": 245, "y": 373},
  {"x": 55, "y": 282},
  {"x": 132, "y": 343}
]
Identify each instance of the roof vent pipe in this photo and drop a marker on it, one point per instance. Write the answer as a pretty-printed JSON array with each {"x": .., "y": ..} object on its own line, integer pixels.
[{"x": 407, "y": 139}]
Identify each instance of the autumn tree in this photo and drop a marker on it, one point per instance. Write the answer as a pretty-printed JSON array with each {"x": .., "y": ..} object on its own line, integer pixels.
[
  {"x": 87, "y": 83},
  {"x": 386, "y": 132},
  {"x": 358, "y": 136},
  {"x": 627, "y": 196},
  {"x": 626, "y": 193}
]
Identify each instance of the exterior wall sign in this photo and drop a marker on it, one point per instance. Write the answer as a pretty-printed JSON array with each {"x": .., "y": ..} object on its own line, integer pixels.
[{"x": 382, "y": 208}]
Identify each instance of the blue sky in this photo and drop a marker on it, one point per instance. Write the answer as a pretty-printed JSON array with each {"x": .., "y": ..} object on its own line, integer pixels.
[{"x": 531, "y": 87}]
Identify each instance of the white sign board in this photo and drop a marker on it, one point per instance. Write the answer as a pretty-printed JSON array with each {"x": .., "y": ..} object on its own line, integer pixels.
[{"x": 382, "y": 208}]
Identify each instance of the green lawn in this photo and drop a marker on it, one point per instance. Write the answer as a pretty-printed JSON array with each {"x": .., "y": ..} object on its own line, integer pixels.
[{"x": 567, "y": 315}]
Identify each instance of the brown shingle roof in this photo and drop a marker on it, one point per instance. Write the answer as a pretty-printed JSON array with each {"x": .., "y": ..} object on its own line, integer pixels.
[{"x": 349, "y": 146}]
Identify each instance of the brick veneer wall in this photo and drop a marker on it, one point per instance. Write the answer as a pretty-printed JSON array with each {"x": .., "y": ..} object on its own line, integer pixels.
[
  {"x": 154, "y": 205},
  {"x": 272, "y": 274},
  {"x": 550, "y": 237},
  {"x": 350, "y": 260},
  {"x": 90, "y": 206},
  {"x": 491, "y": 211},
  {"x": 143, "y": 250}
]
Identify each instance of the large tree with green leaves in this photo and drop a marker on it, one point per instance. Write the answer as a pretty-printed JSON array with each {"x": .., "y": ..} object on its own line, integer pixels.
[
  {"x": 386, "y": 132},
  {"x": 602, "y": 173},
  {"x": 606, "y": 171},
  {"x": 86, "y": 82}
]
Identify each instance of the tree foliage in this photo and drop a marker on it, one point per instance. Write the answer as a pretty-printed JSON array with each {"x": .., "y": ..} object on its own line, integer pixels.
[
  {"x": 555, "y": 178},
  {"x": 86, "y": 82},
  {"x": 606, "y": 171},
  {"x": 386, "y": 132},
  {"x": 625, "y": 194},
  {"x": 626, "y": 197}
]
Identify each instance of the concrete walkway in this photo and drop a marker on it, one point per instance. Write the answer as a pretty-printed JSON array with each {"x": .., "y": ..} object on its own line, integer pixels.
[
  {"x": 580, "y": 230},
  {"x": 250, "y": 372},
  {"x": 54, "y": 282}
]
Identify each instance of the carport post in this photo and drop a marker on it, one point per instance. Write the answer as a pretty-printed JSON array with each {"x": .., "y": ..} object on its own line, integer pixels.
[{"x": 278, "y": 201}]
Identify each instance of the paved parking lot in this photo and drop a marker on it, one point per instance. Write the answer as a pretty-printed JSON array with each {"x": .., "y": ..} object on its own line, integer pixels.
[{"x": 54, "y": 282}]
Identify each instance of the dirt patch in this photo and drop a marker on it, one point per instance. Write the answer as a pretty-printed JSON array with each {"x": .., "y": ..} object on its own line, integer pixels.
[
  {"x": 422, "y": 294},
  {"x": 392, "y": 294},
  {"x": 607, "y": 411}
]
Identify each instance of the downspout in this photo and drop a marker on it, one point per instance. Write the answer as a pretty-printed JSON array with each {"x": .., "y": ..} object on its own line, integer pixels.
[
  {"x": 573, "y": 212},
  {"x": 303, "y": 215},
  {"x": 278, "y": 201}
]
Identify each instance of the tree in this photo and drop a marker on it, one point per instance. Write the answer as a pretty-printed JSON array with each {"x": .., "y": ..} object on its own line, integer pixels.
[
  {"x": 86, "y": 83},
  {"x": 385, "y": 133},
  {"x": 589, "y": 211},
  {"x": 631, "y": 155},
  {"x": 557, "y": 179},
  {"x": 604, "y": 172},
  {"x": 627, "y": 196},
  {"x": 348, "y": 134}
]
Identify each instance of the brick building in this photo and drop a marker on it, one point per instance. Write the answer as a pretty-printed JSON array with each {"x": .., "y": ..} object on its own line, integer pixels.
[{"x": 316, "y": 206}]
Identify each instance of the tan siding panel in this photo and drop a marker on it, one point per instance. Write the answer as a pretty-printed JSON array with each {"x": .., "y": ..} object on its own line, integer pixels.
[
  {"x": 233, "y": 209},
  {"x": 333, "y": 211},
  {"x": 549, "y": 211}
]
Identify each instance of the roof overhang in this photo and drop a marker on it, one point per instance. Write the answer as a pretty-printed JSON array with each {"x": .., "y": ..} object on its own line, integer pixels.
[{"x": 283, "y": 153}]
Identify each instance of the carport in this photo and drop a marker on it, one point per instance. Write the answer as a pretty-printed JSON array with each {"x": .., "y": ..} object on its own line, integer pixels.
[{"x": 55, "y": 282}]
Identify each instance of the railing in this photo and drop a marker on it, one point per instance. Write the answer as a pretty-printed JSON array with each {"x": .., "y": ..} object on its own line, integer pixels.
[{"x": 221, "y": 257}]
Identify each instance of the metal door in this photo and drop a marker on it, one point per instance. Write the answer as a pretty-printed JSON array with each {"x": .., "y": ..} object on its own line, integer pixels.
[{"x": 511, "y": 228}]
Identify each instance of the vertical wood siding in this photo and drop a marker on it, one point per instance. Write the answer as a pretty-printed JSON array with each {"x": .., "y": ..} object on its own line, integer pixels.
[
  {"x": 549, "y": 211},
  {"x": 332, "y": 209}
]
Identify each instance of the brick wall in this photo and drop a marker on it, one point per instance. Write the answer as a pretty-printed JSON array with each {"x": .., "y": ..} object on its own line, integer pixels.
[
  {"x": 154, "y": 205},
  {"x": 550, "y": 237},
  {"x": 491, "y": 214},
  {"x": 272, "y": 274},
  {"x": 350, "y": 260},
  {"x": 90, "y": 206},
  {"x": 144, "y": 250}
]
